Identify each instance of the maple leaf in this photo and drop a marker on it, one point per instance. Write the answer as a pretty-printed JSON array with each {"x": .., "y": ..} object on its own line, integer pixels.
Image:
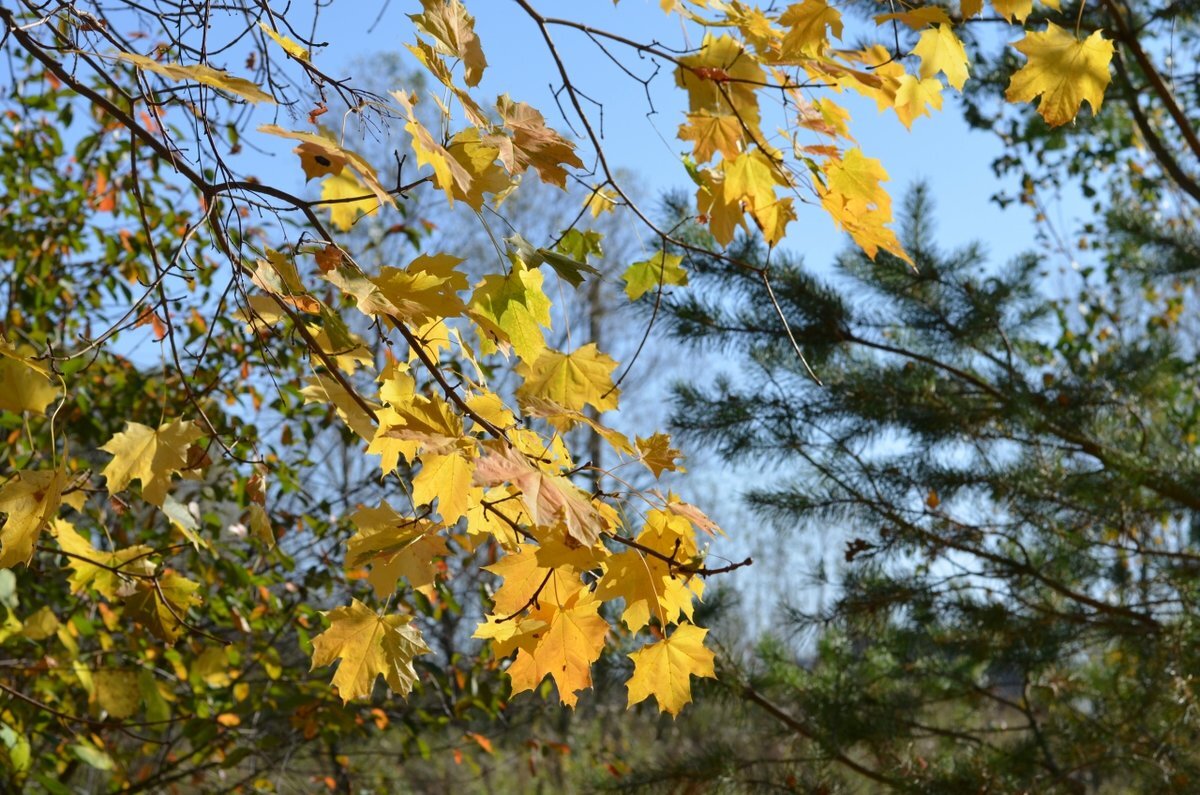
[
  {"x": 658, "y": 455},
  {"x": 117, "y": 692},
  {"x": 325, "y": 390},
  {"x": 808, "y": 23},
  {"x": 565, "y": 648},
  {"x": 200, "y": 73},
  {"x": 1064, "y": 71},
  {"x": 600, "y": 200},
  {"x": 395, "y": 546},
  {"x": 453, "y": 31},
  {"x": 647, "y": 583},
  {"x": 347, "y": 198},
  {"x": 572, "y": 380},
  {"x": 712, "y": 133},
  {"x": 513, "y": 309},
  {"x": 917, "y": 18},
  {"x": 31, "y": 499},
  {"x": 524, "y": 575},
  {"x": 532, "y": 143},
  {"x": 289, "y": 46},
  {"x": 161, "y": 605},
  {"x": 664, "y": 669},
  {"x": 24, "y": 385},
  {"x": 151, "y": 456},
  {"x": 941, "y": 51},
  {"x": 914, "y": 98},
  {"x": 110, "y": 573},
  {"x": 368, "y": 645},
  {"x": 1011, "y": 9},
  {"x": 720, "y": 80},
  {"x": 446, "y": 478},
  {"x": 648, "y": 275},
  {"x": 479, "y": 160}
]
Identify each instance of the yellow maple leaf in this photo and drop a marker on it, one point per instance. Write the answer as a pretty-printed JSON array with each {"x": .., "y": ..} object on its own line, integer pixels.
[
  {"x": 368, "y": 645},
  {"x": 512, "y": 309},
  {"x": 914, "y": 98},
  {"x": 200, "y": 73},
  {"x": 722, "y": 79},
  {"x": 31, "y": 499},
  {"x": 347, "y": 198},
  {"x": 1011, "y": 9},
  {"x": 524, "y": 577},
  {"x": 664, "y": 669},
  {"x": 941, "y": 51},
  {"x": 479, "y": 160},
  {"x": 658, "y": 455},
  {"x": 395, "y": 546},
  {"x": 1064, "y": 71},
  {"x": 106, "y": 571},
  {"x": 565, "y": 648},
  {"x": 149, "y": 455},
  {"x": 24, "y": 385},
  {"x": 453, "y": 31},
  {"x": 446, "y": 478},
  {"x": 572, "y": 380},
  {"x": 712, "y": 133},
  {"x": 809, "y": 26},
  {"x": 289, "y": 46},
  {"x": 917, "y": 18}
]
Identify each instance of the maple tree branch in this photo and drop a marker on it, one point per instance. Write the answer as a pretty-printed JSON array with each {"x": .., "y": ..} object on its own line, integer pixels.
[
  {"x": 531, "y": 602},
  {"x": 673, "y": 565},
  {"x": 1130, "y": 40}
]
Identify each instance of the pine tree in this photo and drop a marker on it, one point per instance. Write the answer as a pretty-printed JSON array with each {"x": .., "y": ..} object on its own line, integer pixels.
[{"x": 1016, "y": 482}]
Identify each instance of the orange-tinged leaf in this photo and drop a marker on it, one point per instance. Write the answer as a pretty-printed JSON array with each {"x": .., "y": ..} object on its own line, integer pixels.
[
  {"x": 1063, "y": 71},
  {"x": 565, "y": 650},
  {"x": 532, "y": 144},
  {"x": 31, "y": 500},
  {"x": 149, "y": 455},
  {"x": 713, "y": 133},
  {"x": 664, "y": 669},
  {"x": 368, "y": 645},
  {"x": 941, "y": 51}
]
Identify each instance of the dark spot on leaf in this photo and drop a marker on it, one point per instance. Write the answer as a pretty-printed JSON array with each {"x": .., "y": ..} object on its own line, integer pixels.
[{"x": 322, "y": 160}]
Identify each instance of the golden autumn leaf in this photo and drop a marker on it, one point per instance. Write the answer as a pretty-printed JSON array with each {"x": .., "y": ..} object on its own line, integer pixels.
[
  {"x": 664, "y": 669},
  {"x": 395, "y": 546},
  {"x": 453, "y": 31},
  {"x": 810, "y": 24},
  {"x": 1063, "y": 71},
  {"x": 24, "y": 384},
  {"x": 572, "y": 380},
  {"x": 347, "y": 198},
  {"x": 200, "y": 73},
  {"x": 31, "y": 499},
  {"x": 712, "y": 133},
  {"x": 289, "y": 46},
  {"x": 367, "y": 645},
  {"x": 109, "y": 572},
  {"x": 658, "y": 455},
  {"x": 512, "y": 309},
  {"x": 941, "y": 51},
  {"x": 564, "y": 649},
  {"x": 149, "y": 455},
  {"x": 915, "y": 97},
  {"x": 1011, "y": 9},
  {"x": 721, "y": 79}
]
